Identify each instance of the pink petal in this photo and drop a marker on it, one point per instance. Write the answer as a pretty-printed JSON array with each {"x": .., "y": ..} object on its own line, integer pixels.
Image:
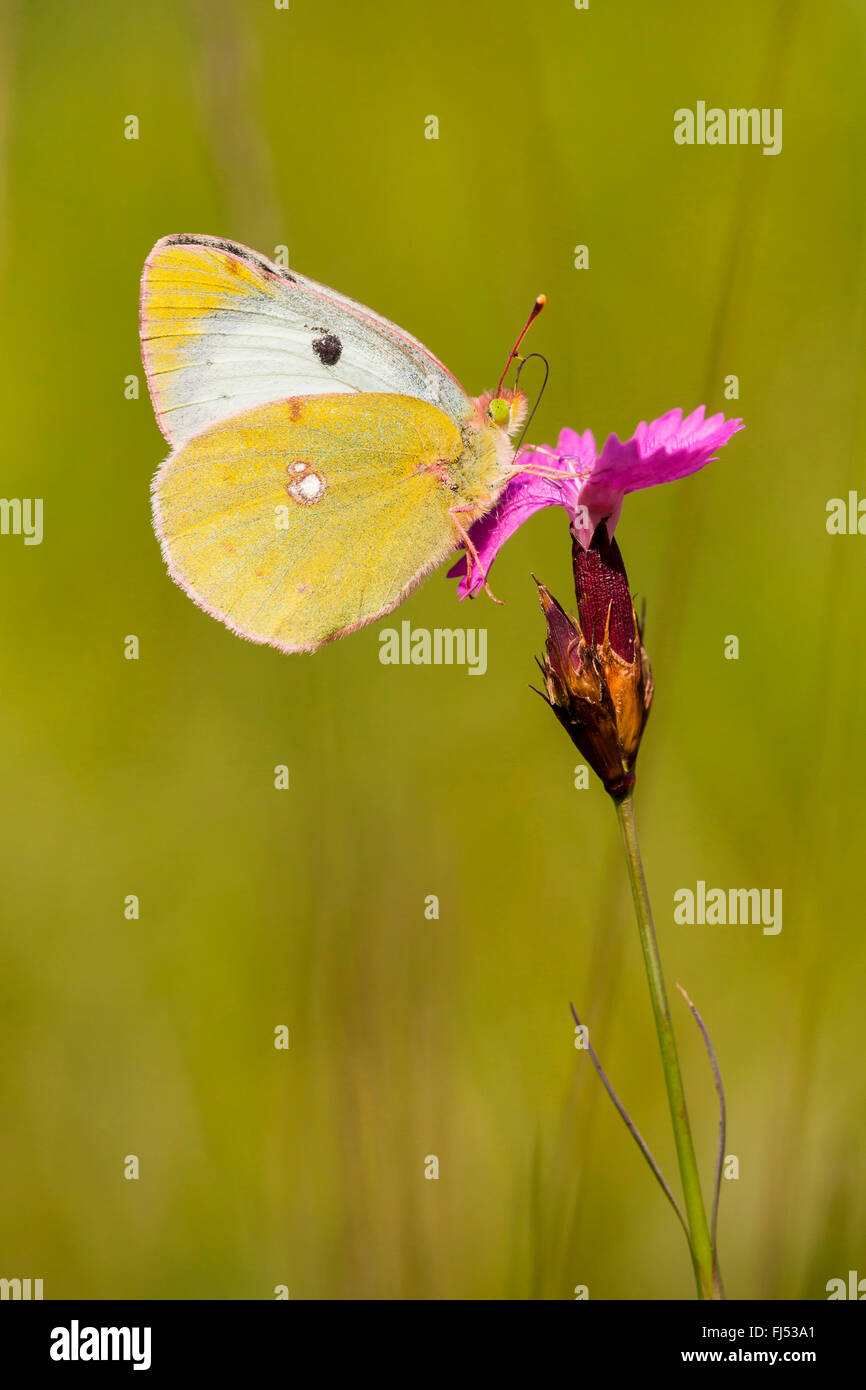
[{"x": 660, "y": 452}]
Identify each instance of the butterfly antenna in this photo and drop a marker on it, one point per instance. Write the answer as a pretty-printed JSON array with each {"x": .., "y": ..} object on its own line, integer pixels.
[
  {"x": 533, "y": 315},
  {"x": 523, "y": 362}
]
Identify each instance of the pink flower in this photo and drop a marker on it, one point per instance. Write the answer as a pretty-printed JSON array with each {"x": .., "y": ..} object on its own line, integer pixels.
[{"x": 591, "y": 486}]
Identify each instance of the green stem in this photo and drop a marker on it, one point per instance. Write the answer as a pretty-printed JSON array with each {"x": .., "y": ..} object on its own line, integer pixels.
[{"x": 701, "y": 1244}]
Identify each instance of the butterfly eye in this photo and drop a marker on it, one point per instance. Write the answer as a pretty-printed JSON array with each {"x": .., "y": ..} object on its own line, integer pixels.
[{"x": 499, "y": 411}]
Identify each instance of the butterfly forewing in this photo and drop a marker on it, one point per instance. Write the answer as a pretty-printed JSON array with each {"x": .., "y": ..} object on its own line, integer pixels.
[{"x": 224, "y": 329}]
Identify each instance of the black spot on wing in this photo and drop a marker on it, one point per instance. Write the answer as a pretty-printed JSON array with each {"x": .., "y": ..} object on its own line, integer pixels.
[{"x": 328, "y": 349}]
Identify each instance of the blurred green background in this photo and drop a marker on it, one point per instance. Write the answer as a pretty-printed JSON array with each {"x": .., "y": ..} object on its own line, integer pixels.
[{"x": 305, "y": 907}]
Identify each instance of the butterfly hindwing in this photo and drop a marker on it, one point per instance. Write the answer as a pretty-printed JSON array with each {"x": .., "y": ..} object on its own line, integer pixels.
[
  {"x": 224, "y": 329},
  {"x": 299, "y": 520}
]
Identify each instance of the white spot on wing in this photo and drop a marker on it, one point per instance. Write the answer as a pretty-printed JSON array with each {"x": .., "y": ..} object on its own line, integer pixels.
[{"x": 307, "y": 486}]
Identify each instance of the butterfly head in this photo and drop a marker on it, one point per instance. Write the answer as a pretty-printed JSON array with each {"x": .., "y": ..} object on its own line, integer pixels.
[{"x": 504, "y": 408}]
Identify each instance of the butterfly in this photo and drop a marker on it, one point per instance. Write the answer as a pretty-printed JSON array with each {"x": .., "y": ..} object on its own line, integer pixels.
[{"x": 323, "y": 460}]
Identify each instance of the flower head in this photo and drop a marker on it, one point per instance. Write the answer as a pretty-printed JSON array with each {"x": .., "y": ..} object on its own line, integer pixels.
[
  {"x": 591, "y": 486},
  {"x": 596, "y": 673}
]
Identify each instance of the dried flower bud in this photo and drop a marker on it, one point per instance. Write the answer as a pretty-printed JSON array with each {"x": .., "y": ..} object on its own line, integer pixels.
[{"x": 596, "y": 672}]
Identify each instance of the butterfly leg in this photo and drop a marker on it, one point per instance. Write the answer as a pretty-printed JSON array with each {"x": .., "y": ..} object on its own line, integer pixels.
[
  {"x": 540, "y": 471},
  {"x": 558, "y": 474},
  {"x": 469, "y": 546},
  {"x": 542, "y": 449}
]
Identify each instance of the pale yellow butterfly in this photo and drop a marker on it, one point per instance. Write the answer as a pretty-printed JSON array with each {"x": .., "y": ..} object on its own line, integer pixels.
[{"x": 323, "y": 460}]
